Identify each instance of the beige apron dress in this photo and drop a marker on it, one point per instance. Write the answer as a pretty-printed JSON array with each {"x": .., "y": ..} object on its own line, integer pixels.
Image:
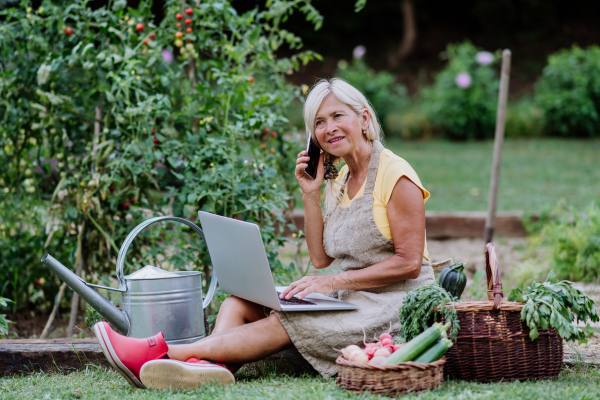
[{"x": 350, "y": 234}]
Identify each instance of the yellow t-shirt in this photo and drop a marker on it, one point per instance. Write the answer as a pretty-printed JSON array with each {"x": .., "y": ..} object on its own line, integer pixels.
[{"x": 391, "y": 169}]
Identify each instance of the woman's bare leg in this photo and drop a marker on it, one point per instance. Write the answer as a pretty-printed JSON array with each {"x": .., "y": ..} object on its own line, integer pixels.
[
  {"x": 236, "y": 312},
  {"x": 242, "y": 334}
]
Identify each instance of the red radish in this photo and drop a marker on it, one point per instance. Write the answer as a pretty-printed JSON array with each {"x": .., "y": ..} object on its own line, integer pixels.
[
  {"x": 370, "y": 350},
  {"x": 377, "y": 360},
  {"x": 358, "y": 356},
  {"x": 346, "y": 351},
  {"x": 387, "y": 342},
  {"x": 396, "y": 346},
  {"x": 383, "y": 352},
  {"x": 384, "y": 336}
]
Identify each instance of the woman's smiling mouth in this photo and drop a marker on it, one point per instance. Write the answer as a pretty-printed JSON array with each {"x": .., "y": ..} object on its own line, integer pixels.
[{"x": 335, "y": 139}]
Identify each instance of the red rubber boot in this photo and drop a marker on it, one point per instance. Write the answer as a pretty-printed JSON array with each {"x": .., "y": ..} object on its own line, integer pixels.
[
  {"x": 173, "y": 374},
  {"x": 127, "y": 355}
]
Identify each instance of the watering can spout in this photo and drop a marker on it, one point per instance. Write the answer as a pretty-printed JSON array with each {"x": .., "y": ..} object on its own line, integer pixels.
[{"x": 112, "y": 314}]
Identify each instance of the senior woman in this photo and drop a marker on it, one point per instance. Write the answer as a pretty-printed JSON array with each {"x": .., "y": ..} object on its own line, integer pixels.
[{"x": 374, "y": 222}]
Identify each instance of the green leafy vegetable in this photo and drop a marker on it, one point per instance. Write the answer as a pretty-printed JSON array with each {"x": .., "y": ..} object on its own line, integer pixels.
[
  {"x": 421, "y": 307},
  {"x": 555, "y": 304}
]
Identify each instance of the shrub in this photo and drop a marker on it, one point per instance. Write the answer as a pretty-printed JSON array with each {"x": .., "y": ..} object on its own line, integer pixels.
[
  {"x": 573, "y": 238},
  {"x": 462, "y": 101},
  {"x": 523, "y": 119},
  {"x": 568, "y": 92},
  {"x": 388, "y": 98}
]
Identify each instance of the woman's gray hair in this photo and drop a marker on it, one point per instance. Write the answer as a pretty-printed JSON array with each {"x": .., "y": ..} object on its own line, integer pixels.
[{"x": 353, "y": 98}]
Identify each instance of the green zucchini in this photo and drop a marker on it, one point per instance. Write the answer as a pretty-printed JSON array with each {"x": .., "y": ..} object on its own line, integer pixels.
[
  {"x": 418, "y": 345},
  {"x": 453, "y": 279},
  {"x": 434, "y": 352}
]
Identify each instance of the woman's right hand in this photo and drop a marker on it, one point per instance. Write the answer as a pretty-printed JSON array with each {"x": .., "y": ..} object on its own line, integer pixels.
[{"x": 307, "y": 184}]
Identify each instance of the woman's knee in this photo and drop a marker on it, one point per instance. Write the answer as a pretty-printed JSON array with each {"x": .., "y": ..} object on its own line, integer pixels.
[{"x": 247, "y": 309}]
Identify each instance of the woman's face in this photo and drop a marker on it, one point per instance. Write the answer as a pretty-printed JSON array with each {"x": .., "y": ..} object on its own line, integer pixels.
[{"x": 338, "y": 128}]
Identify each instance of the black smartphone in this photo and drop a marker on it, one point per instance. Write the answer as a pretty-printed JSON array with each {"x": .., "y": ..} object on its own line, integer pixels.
[{"x": 313, "y": 152}]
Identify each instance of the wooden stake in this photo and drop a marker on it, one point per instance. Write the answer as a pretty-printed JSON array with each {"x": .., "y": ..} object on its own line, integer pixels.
[{"x": 498, "y": 140}]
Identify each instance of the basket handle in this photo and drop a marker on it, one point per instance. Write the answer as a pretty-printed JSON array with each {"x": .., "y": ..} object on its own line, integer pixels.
[{"x": 494, "y": 290}]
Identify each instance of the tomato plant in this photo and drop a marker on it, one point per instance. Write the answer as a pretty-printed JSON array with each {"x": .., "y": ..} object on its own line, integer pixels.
[{"x": 76, "y": 110}]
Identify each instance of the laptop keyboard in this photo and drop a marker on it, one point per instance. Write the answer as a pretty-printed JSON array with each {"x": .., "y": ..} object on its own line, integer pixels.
[{"x": 294, "y": 301}]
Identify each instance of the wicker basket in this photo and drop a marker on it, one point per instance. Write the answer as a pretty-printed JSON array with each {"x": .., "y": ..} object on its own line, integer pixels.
[
  {"x": 389, "y": 380},
  {"x": 493, "y": 343}
]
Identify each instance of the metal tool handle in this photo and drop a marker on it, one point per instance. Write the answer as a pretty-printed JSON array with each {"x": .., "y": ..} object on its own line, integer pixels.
[{"x": 123, "y": 252}]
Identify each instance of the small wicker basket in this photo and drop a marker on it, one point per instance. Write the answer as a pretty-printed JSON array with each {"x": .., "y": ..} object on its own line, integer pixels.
[
  {"x": 493, "y": 343},
  {"x": 389, "y": 380}
]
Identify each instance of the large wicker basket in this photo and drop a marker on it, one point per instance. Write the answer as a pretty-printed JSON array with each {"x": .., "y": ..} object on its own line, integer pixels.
[
  {"x": 493, "y": 343},
  {"x": 392, "y": 380}
]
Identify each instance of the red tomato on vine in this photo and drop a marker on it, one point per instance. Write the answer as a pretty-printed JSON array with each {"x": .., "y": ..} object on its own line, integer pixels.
[
  {"x": 153, "y": 36},
  {"x": 68, "y": 31},
  {"x": 139, "y": 27},
  {"x": 179, "y": 16},
  {"x": 188, "y": 21},
  {"x": 189, "y": 11}
]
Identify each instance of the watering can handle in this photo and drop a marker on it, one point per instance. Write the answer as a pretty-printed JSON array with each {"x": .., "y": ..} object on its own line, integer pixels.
[{"x": 123, "y": 252}]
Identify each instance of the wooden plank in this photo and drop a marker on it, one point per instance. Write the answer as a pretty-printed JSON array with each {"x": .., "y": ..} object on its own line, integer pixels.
[
  {"x": 581, "y": 357},
  {"x": 26, "y": 356},
  {"x": 453, "y": 225}
]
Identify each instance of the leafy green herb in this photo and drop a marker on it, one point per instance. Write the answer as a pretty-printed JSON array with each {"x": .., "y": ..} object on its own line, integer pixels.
[
  {"x": 421, "y": 307},
  {"x": 555, "y": 304}
]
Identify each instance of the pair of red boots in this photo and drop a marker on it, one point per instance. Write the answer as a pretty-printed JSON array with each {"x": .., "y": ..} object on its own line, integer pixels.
[{"x": 141, "y": 362}]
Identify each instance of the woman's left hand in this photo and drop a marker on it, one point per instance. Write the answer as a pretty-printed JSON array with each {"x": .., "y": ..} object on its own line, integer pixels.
[{"x": 310, "y": 284}]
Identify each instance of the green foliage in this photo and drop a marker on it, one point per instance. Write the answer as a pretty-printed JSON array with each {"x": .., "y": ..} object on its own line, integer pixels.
[
  {"x": 573, "y": 239},
  {"x": 555, "y": 304},
  {"x": 22, "y": 239},
  {"x": 109, "y": 126},
  {"x": 421, "y": 307},
  {"x": 568, "y": 92},
  {"x": 468, "y": 112},
  {"x": 92, "y": 316},
  {"x": 3, "y": 321},
  {"x": 523, "y": 119},
  {"x": 387, "y": 97}
]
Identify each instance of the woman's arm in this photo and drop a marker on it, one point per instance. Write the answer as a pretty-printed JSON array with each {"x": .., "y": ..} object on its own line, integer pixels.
[
  {"x": 313, "y": 228},
  {"x": 313, "y": 216},
  {"x": 406, "y": 215}
]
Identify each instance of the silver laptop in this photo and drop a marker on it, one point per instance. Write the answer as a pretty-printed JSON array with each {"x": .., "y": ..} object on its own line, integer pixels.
[{"x": 239, "y": 259}]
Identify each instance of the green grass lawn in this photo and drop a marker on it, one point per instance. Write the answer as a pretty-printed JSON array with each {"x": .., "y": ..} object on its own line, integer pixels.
[
  {"x": 535, "y": 173},
  {"x": 97, "y": 383}
]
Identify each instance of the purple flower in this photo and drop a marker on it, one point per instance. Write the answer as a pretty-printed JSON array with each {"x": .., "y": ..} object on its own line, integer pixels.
[
  {"x": 359, "y": 52},
  {"x": 167, "y": 56},
  {"x": 463, "y": 80},
  {"x": 484, "y": 57}
]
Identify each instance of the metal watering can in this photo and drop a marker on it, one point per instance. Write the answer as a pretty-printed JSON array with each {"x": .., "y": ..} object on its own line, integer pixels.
[{"x": 153, "y": 301}]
